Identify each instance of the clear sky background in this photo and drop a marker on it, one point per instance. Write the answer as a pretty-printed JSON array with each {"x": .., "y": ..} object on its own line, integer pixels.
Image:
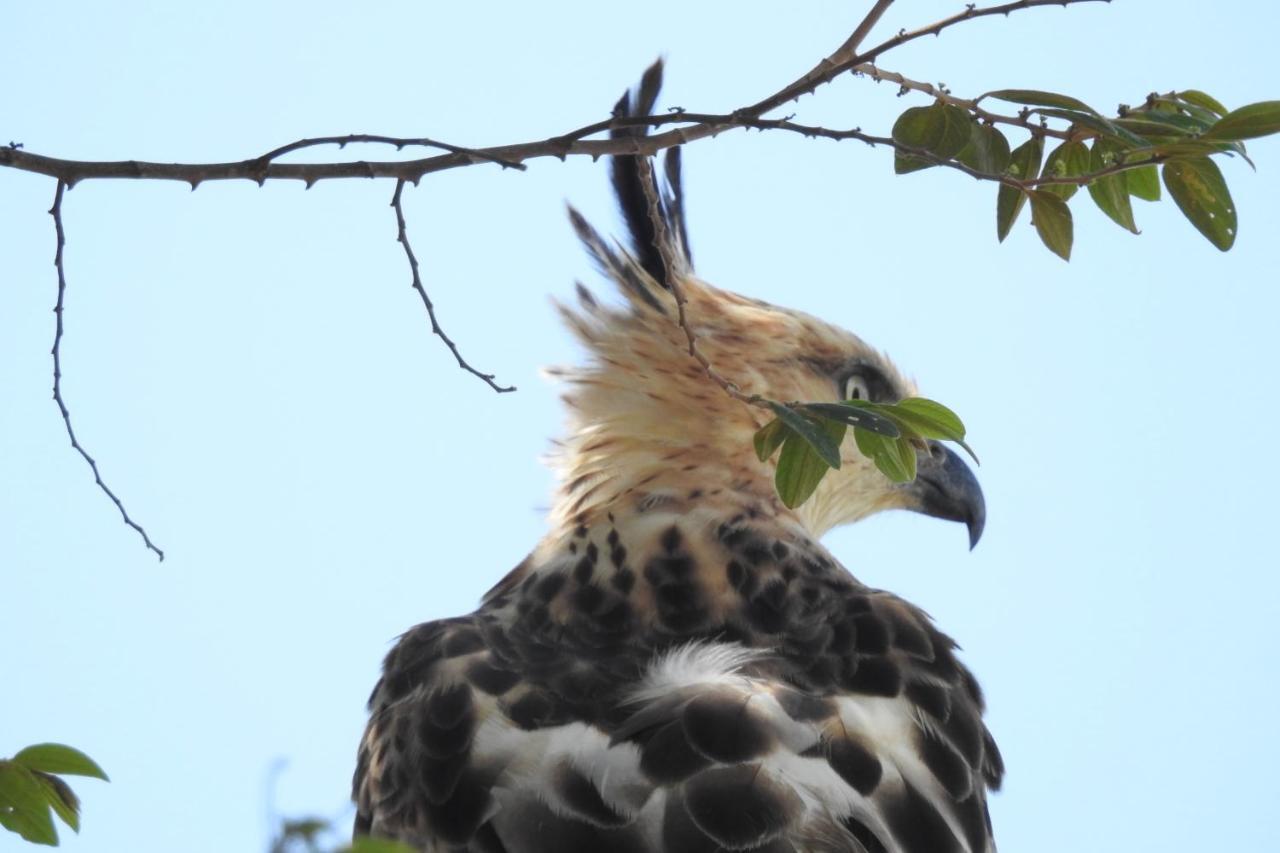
[{"x": 259, "y": 383}]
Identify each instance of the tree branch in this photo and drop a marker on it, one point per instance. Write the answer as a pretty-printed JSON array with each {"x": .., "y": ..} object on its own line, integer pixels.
[
  {"x": 403, "y": 236},
  {"x": 575, "y": 143},
  {"x": 58, "y": 308},
  {"x": 970, "y": 104}
]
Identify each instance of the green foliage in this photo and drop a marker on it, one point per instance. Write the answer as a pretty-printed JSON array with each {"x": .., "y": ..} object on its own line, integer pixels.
[
  {"x": 1115, "y": 158},
  {"x": 810, "y": 435},
  {"x": 314, "y": 835},
  {"x": 31, "y": 792}
]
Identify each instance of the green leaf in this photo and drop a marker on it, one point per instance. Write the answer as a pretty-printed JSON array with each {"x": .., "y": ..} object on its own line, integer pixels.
[
  {"x": 858, "y": 413},
  {"x": 65, "y": 803},
  {"x": 1153, "y": 123},
  {"x": 1034, "y": 98},
  {"x": 813, "y": 432},
  {"x": 987, "y": 151},
  {"x": 1098, "y": 124},
  {"x": 1143, "y": 183},
  {"x": 768, "y": 438},
  {"x": 1249, "y": 122},
  {"x": 800, "y": 468},
  {"x": 895, "y": 457},
  {"x": 24, "y": 804},
  {"x": 1052, "y": 219},
  {"x": 1068, "y": 160},
  {"x": 1024, "y": 164},
  {"x": 1200, "y": 99},
  {"x": 1183, "y": 149},
  {"x": 941, "y": 129},
  {"x": 1111, "y": 193},
  {"x": 365, "y": 844},
  {"x": 1201, "y": 193},
  {"x": 930, "y": 418},
  {"x": 63, "y": 760},
  {"x": 927, "y": 418}
]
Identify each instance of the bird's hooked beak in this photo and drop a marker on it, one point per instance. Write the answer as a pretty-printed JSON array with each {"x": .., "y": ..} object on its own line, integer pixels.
[{"x": 944, "y": 487}]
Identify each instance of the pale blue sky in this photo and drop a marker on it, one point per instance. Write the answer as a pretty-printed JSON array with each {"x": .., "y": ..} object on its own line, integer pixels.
[{"x": 258, "y": 382}]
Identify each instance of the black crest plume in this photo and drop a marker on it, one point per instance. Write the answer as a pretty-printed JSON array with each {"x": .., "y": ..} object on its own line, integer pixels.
[{"x": 628, "y": 182}]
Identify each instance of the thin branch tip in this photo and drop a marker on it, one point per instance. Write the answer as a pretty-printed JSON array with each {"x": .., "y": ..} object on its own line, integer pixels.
[
  {"x": 59, "y": 309},
  {"x": 402, "y": 236}
]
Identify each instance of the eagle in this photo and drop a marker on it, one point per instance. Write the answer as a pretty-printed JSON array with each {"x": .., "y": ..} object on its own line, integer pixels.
[{"x": 680, "y": 666}]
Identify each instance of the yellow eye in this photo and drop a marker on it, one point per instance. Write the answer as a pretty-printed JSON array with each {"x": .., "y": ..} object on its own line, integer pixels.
[{"x": 855, "y": 388}]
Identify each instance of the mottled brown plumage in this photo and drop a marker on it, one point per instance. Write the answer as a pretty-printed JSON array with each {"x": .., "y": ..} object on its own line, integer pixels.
[{"x": 680, "y": 665}]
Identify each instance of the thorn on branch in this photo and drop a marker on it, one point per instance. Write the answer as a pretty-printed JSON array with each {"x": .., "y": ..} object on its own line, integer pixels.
[
  {"x": 58, "y": 309},
  {"x": 402, "y": 236}
]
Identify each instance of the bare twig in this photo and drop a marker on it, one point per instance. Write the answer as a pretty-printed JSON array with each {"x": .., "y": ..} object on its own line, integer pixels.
[
  {"x": 58, "y": 308},
  {"x": 829, "y": 69},
  {"x": 400, "y": 144},
  {"x": 403, "y": 236}
]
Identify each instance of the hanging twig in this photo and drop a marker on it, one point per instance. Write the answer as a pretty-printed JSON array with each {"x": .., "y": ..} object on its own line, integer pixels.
[
  {"x": 403, "y": 236},
  {"x": 58, "y": 308}
]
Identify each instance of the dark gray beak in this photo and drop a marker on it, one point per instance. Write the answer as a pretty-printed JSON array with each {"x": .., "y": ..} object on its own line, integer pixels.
[{"x": 945, "y": 488}]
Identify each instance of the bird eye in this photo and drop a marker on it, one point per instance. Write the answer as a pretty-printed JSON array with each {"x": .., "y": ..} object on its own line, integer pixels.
[{"x": 855, "y": 388}]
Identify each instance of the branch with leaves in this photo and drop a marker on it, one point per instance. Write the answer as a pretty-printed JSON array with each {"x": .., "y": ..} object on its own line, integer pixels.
[{"x": 1115, "y": 158}]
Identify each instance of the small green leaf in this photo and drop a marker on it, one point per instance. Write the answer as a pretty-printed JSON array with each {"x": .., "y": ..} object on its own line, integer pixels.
[
  {"x": 1161, "y": 124},
  {"x": 365, "y": 844},
  {"x": 895, "y": 457},
  {"x": 1249, "y": 122},
  {"x": 1200, "y": 99},
  {"x": 987, "y": 151},
  {"x": 24, "y": 805},
  {"x": 813, "y": 432},
  {"x": 1034, "y": 98},
  {"x": 920, "y": 417},
  {"x": 1052, "y": 219},
  {"x": 768, "y": 438},
  {"x": 941, "y": 129},
  {"x": 1201, "y": 193},
  {"x": 800, "y": 468},
  {"x": 1097, "y": 124},
  {"x": 63, "y": 760},
  {"x": 1068, "y": 160},
  {"x": 1143, "y": 182},
  {"x": 1110, "y": 193},
  {"x": 1024, "y": 164},
  {"x": 930, "y": 418},
  {"x": 856, "y": 413},
  {"x": 65, "y": 803}
]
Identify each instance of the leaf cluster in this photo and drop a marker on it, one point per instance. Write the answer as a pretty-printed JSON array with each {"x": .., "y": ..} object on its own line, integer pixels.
[
  {"x": 1115, "y": 158},
  {"x": 31, "y": 792},
  {"x": 889, "y": 434}
]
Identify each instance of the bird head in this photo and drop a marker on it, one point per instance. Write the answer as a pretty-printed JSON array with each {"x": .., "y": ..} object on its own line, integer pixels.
[{"x": 649, "y": 419}]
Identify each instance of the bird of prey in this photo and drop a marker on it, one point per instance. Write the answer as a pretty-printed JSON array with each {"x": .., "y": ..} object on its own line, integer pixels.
[{"x": 680, "y": 665}]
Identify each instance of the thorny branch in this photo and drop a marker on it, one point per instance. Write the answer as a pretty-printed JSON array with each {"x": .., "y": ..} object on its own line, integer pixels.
[
  {"x": 574, "y": 143},
  {"x": 58, "y": 308},
  {"x": 403, "y": 236},
  {"x": 691, "y": 127}
]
